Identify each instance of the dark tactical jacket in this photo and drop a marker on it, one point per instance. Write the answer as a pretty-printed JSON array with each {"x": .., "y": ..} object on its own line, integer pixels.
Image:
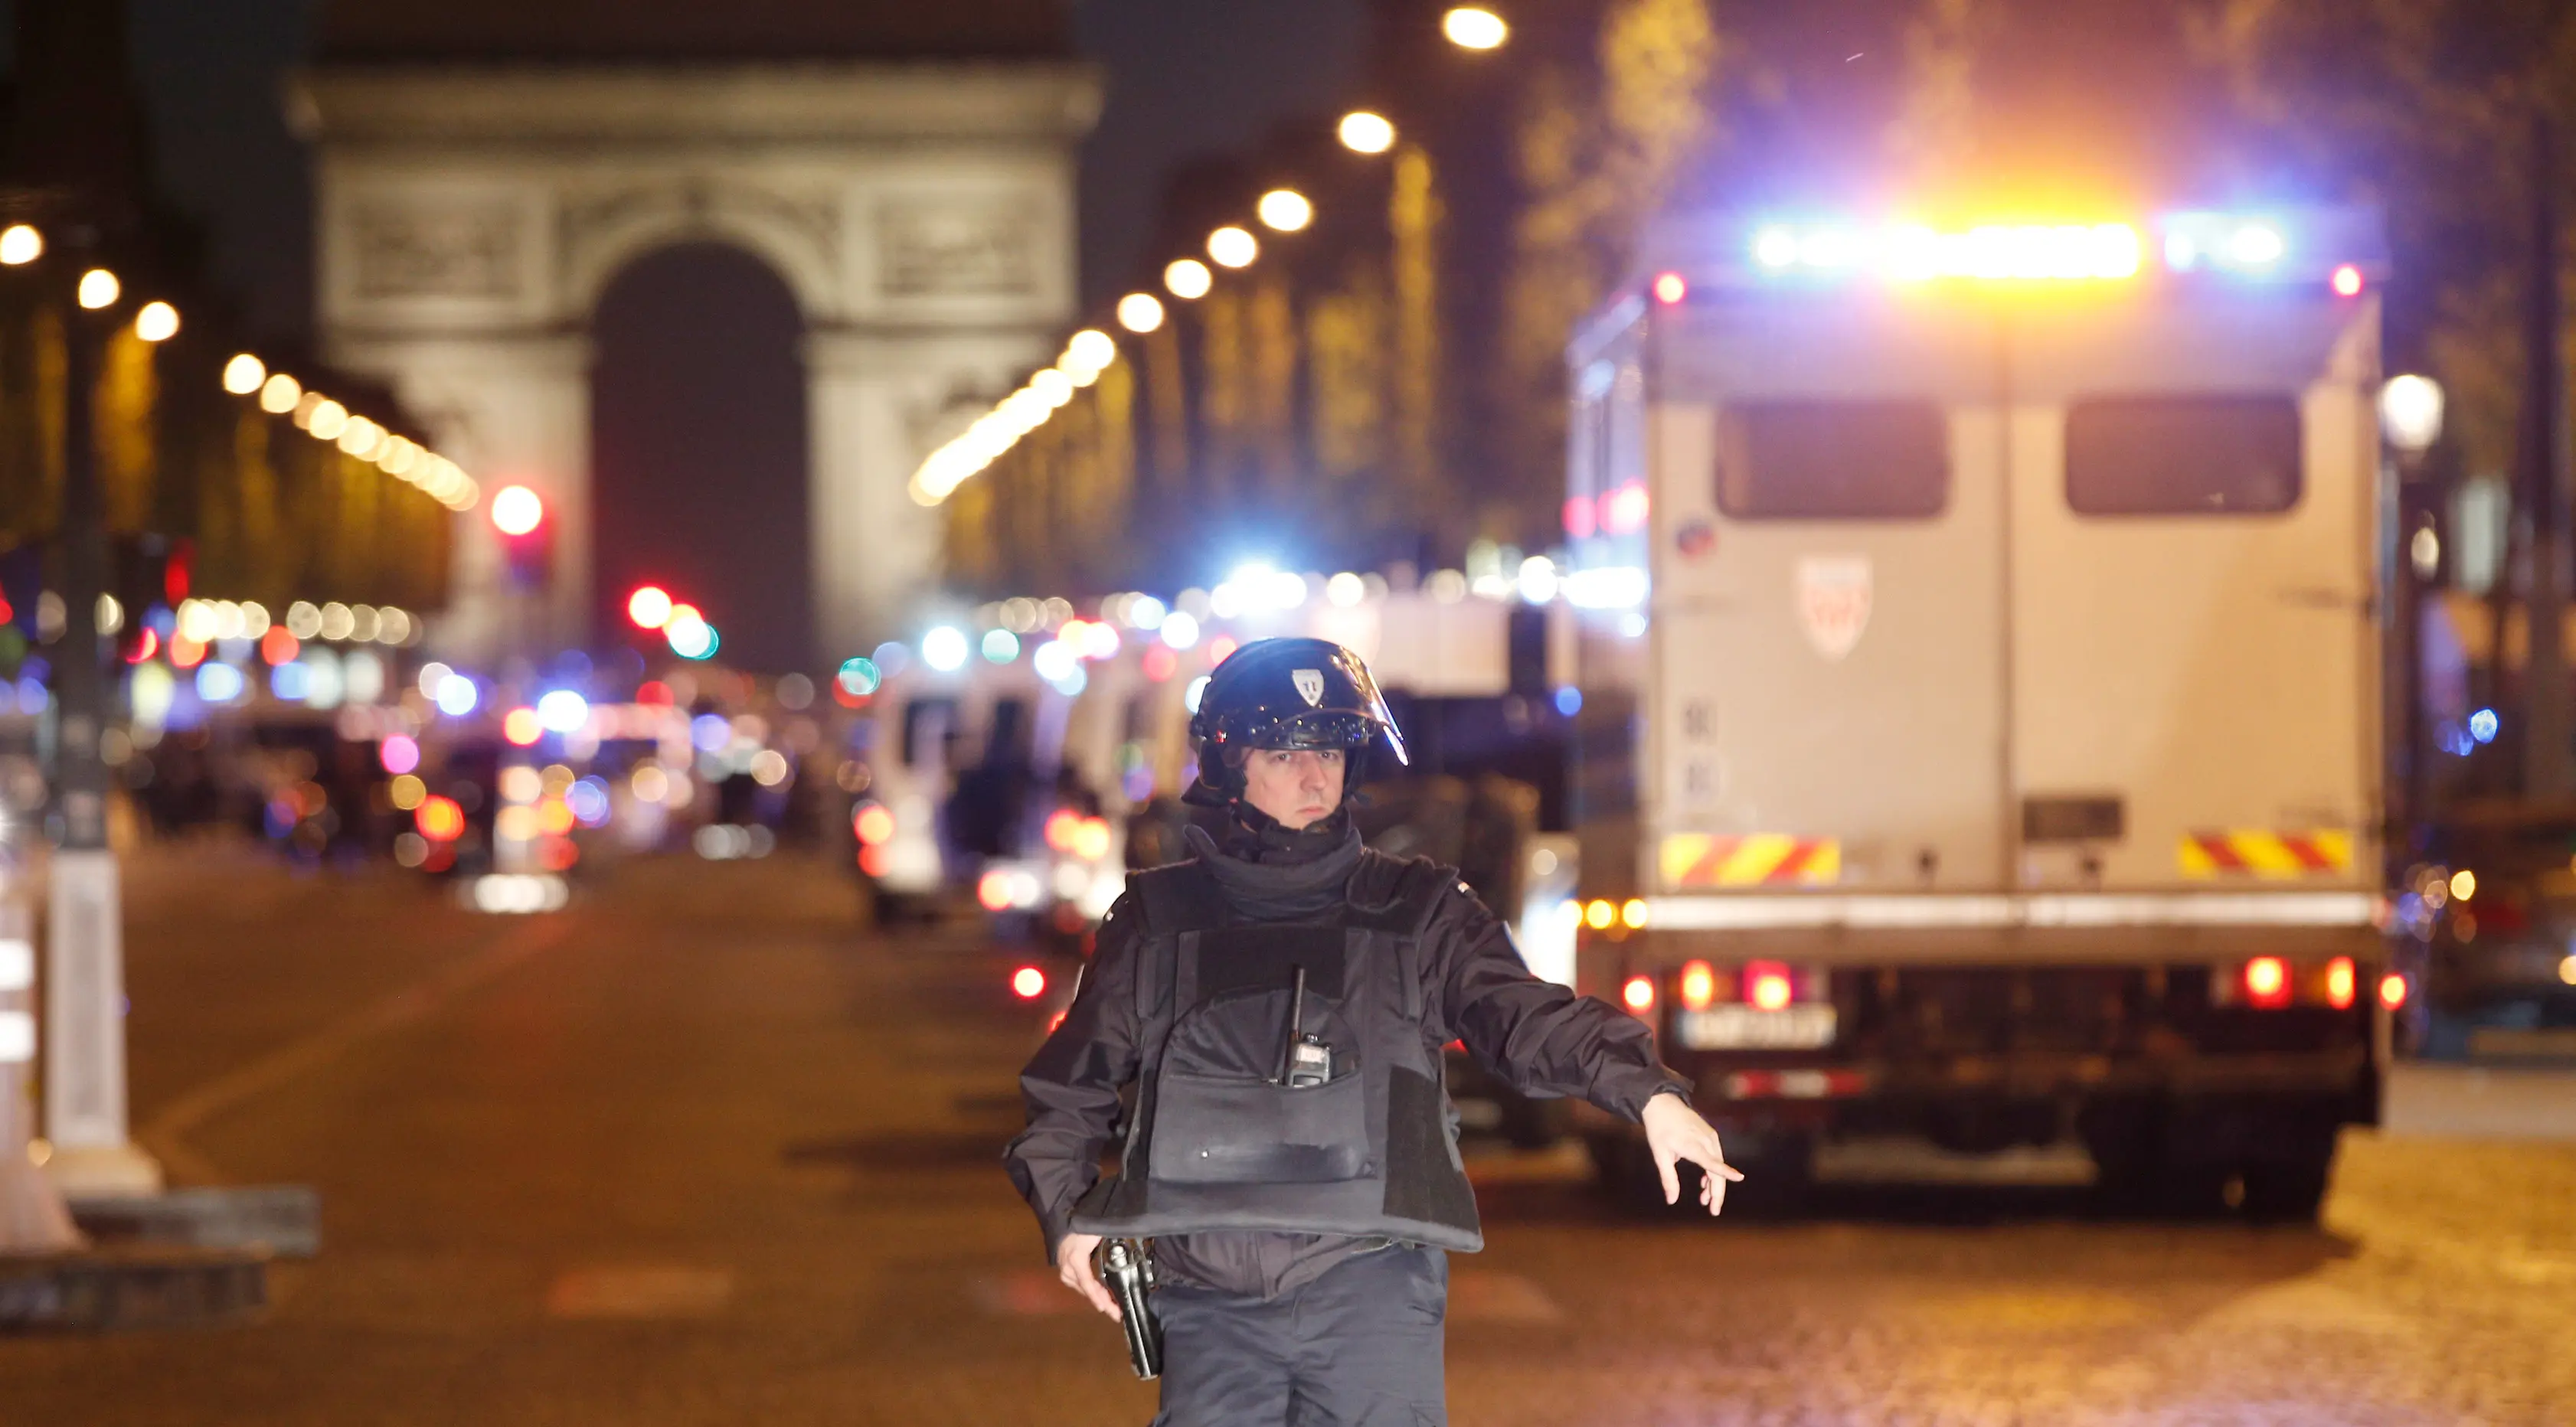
[{"x": 1186, "y": 1002}]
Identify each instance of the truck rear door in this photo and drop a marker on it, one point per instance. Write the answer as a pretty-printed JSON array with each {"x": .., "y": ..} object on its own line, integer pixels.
[
  {"x": 2193, "y": 645},
  {"x": 1828, "y": 697}
]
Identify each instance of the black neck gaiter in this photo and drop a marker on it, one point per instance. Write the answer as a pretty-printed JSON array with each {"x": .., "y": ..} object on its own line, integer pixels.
[{"x": 1272, "y": 873}]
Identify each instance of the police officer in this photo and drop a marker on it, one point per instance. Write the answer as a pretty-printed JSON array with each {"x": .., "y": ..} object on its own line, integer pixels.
[{"x": 1279, "y": 1003}]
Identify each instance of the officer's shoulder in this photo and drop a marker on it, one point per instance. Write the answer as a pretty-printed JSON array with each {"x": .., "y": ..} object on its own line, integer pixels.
[{"x": 1420, "y": 881}]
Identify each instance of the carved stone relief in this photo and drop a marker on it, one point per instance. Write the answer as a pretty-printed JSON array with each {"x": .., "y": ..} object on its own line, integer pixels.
[
  {"x": 702, "y": 207},
  {"x": 420, "y": 248},
  {"x": 949, "y": 248}
]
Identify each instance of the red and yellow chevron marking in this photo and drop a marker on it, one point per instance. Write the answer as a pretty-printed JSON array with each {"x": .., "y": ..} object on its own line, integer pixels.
[
  {"x": 2241, "y": 852},
  {"x": 1761, "y": 859}
]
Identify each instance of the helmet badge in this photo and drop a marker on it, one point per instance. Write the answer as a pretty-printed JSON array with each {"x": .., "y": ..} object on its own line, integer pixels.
[{"x": 1310, "y": 685}]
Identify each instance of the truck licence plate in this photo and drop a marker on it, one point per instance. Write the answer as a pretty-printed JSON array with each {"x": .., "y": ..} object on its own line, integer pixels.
[{"x": 1752, "y": 1028}]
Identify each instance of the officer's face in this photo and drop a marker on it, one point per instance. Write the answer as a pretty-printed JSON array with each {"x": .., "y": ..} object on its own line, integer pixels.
[{"x": 1296, "y": 786}]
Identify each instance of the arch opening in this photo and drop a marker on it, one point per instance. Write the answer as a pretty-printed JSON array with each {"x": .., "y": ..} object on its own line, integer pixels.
[{"x": 699, "y": 449}]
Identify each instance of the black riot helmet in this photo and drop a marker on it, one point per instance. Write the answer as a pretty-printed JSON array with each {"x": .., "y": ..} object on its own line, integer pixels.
[{"x": 1287, "y": 693}]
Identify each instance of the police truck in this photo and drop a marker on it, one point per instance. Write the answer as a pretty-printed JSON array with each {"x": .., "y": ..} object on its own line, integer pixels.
[{"x": 1980, "y": 760}]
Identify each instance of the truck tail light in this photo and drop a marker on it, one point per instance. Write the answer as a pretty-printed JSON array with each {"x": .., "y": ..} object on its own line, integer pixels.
[
  {"x": 1028, "y": 983},
  {"x": 2341, "y": 982},
  {"x": 2267, "y": 982},
  {"x": 1639, "y": 994},
  {"x": 1698, "y": 986},
  {"x": 2392, "y": 990},
  {"x": 1767, "y": 986}
]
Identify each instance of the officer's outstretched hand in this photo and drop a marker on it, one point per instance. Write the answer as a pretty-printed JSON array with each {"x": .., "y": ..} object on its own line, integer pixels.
[
  {"x": 1073, "y": 1264},
  {"x": 1675, "y": 1132}
]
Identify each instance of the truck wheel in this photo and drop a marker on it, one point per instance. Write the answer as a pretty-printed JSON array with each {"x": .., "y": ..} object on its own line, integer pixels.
[{"x": 2288, "y": 1189}]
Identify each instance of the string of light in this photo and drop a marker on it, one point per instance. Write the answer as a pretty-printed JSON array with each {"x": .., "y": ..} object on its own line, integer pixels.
[
  {"x": 1092, "y": 351},
  {"x": 278, "y": 394}
]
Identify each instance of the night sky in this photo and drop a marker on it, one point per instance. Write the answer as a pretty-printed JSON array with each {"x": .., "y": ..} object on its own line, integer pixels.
[{"x": 1185, "y": 77}]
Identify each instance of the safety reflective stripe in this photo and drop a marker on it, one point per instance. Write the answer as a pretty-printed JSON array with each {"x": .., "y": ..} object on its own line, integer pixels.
[
  {"x": 1760, "y": 859},
  {"x": 2254, "y": 852},
  {"x": 2045, "y": 910}
]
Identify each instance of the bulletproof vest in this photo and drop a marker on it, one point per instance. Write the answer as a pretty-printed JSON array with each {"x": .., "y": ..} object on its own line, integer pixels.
[{"x": 1216, "y": 1140}]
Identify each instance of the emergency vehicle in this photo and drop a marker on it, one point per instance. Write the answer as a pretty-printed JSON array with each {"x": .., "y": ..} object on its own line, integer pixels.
[{"x": 1981, "y": 757}]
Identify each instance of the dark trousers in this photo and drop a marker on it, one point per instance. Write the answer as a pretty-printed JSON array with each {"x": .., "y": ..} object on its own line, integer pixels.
[{"x": 1358, "y": 1347}]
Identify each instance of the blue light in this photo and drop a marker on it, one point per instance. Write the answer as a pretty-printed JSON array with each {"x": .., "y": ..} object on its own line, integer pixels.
[
  {"x": 588, "y": 800},
  {"x": 562, "y": 710},
  {"x": 1001, "y": 646},
  {"x": 2482, "y": 725},
  {"x": 712, "y": 733},
  {"x": 218, "y": 683},
  {"x": 290, "y": 681},
  {"x": 860, "y": 677},
  {"x": 2453, "y": 739},
  {"x": 1569, "y": 701}
]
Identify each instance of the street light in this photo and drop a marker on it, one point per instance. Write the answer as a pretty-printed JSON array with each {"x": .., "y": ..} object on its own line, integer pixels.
[
  {"x": 20, "y": 244},
  {"x": 2410, "y": 413},
  {"x": 1285, "y": 210},
  {"x": 1188, "y": 279},
  {"x": 244, "y": 374},
  {"x": 1364, "y": 132},
  {"x": 1473, "y": 27},
  {"x": 280, "y": 394},
  {"x": 517, "y": 510},
  {"x": 1138, "y": 312},
  {"x": 157, "y": 322},
  {"x": 99, "y": 288},
  {"x": 1232, "y": 247}
]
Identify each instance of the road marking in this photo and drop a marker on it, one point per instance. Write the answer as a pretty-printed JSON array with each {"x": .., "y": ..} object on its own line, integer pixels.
[
  {"x": 166, "y": 1134},
  {"x": 639, "y": 1291}
]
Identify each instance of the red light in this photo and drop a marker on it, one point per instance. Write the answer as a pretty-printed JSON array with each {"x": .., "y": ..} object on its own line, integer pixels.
[
  {"x": 9, "y": 612},
  {"x": 1624, "y": 512},
  {"x": 517, "y": 510},
  {"x": 1062, "y": 826},
  {"x": 1639, "y": 994},
  {"x": 186, "y": 653},
  {"x": 1699, "y": 986},
  {"x": 2340, "y": 983},
  {"x": 2392, "y": 991},
  {"x": 1161, "y": 663},
  {"x": 872, "y": 860},
  {"x": 1767, "y": 987},
  {"x": 144, "y": 648},
  {"x": 993, "y": 891},
  {"x": 2347, "y": 281},
  {"x": 874, "y": 824},
  {"x": 1057, "y": 1020},
  {"x": 1670, "y": 288},
  {"x": 654, "y": 692},
  {"x": 439, "y": 819},
  {"x": 277, "y": 646},
  {"x": 520, "y": 726},
  {"x": 649, "y": 607},
  {"x": 1028, "y": 983},
  {"x": 1220, "y": 649},
  {"x": 1579, "y": 517},
  {"x": 2267, "y": 981}
]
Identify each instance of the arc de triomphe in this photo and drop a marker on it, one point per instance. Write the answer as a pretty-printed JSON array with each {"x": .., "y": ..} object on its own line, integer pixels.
[{"x": 471, "y": 211}]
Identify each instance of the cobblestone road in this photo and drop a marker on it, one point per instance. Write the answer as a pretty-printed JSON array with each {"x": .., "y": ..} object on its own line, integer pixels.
[{"x": 702, "y": 1152}]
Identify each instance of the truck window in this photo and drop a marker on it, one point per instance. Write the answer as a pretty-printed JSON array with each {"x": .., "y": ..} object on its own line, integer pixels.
[
  {"x": 1833, "y": 460},
  {"x": 927, "y": 722},
  {"x": 2182, "y": 455}
]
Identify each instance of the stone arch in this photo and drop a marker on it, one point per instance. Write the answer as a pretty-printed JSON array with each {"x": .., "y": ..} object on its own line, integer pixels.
[
  {"x": 605, "y": 234},
  {"x": 471, "y": 216}
]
